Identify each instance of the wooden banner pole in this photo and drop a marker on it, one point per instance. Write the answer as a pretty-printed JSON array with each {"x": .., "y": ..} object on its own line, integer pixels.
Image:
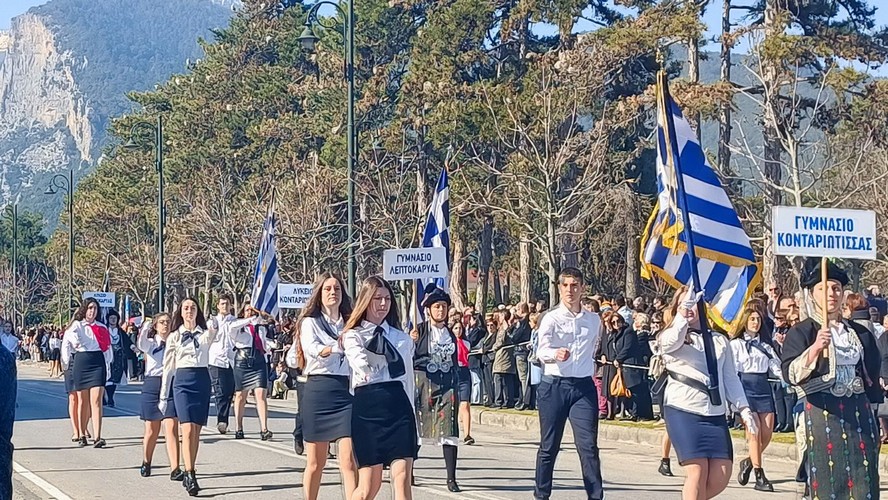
[{"x": 825, "y": 301}]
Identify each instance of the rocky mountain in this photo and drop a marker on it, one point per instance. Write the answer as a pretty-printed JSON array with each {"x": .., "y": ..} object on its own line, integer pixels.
[{"x": 65, "y": 69}]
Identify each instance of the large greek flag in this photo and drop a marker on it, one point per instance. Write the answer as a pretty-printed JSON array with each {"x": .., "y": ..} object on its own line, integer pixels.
[
  {"x": 266, "y": 278},
  {"x": 436, "y": 234},
  {"x": 725, "y": 261}
]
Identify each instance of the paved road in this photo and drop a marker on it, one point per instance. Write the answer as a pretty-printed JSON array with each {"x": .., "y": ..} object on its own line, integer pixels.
[{"x": 499, "y": 467}]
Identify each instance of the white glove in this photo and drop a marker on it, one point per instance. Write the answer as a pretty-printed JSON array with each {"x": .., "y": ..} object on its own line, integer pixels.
[
  {"x": 749, "y": 421},
  {"x": 162, "y": 406},
  {"x": 690, "y": 299}
]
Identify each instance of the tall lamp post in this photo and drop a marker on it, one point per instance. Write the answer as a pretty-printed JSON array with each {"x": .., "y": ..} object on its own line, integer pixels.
[
  {"x": 134, "y": 143},
  {"x": 14, "y": 263},
  {"x": 309, "y": 40},
  {"x": 66, "y": 184}
]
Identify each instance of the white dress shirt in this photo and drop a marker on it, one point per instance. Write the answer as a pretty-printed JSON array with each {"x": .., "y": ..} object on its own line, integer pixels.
[
  {"x": 749, "y": 358},
  {"x": 239, "y": 330},
  {"x": 153, "y": 354},
  {"x": 371, "y": 368},
  {"x": 222, "y": 348},
  {"x": 314, "y": 338},
  {"x": 55, "y": 343},
  {"x": 79, "y": 337},
  {"x": 9, "y": 341},
  {"x": 689, "y": 360},
  {"x": 180, "y": 354},
  {"x": 578, "y": 333}
]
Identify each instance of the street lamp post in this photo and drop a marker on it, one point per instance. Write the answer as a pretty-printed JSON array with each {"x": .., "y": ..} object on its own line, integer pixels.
[
  {"x": 309, "y": 39},
  {"x": 14, "y": 266},
  {"x": 66, "y": 184},
  {"x": 132, "y": 144}
]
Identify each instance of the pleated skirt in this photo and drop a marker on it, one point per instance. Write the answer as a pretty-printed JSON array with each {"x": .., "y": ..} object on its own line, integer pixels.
[
  {"x": 326, "y": 408},
  {"x": 383, "y": 424},
  {"x": 89, "y": 370},
  {"x": 191, "y": 394},
  {"x": 150, "y": 399}
]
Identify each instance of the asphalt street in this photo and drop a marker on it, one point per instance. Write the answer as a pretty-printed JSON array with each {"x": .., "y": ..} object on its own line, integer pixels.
[{"x": 499, "y": 467}]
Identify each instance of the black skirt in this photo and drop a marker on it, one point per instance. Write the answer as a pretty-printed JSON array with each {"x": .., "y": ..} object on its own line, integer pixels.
[
  {"x": 383, "y": 424},
  {"x": 255, "y": 376},
  {"x": 89, "y": 370},
  {"x": 55, "y": 354},
  {"x": 696, "y": 436},
  {"x": 464, "y": 394},
  {"x": 151, "y": 397},
  {"x": 326, "y": 408},
  {"x": 69, "y": 378},
  {"x": 758, "y": 392},
  {"x": 191, "y": 393}
]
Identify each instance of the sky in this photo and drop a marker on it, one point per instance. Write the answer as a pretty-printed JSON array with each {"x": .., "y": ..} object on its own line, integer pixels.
[{"x": 12, "y": 8}]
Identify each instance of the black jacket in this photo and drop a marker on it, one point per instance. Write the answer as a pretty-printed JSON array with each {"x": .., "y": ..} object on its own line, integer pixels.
[
  {"x": 520, "y": 335},
  {"x": 475, "y": 336},
  {"x": 421, "y": 356}
]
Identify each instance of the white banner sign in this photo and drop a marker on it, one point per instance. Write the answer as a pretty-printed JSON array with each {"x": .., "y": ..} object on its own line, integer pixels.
[
  {"x": 824, "y": 232},
  {"x": 105, "y": 299},
  {"x": 414, "y": 263},
  {"x": 292, "y": 296}
]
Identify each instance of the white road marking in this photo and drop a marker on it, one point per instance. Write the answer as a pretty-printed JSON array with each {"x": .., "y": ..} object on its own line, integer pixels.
[{"x": 40, "y": 482}]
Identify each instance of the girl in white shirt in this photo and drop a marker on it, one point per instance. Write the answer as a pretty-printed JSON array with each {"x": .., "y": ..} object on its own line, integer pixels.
[
  {"x": 383, "y": 422},
  {"x": 326, "y": 401},
  {"x": 152, "y": 342},
  {"x": 250, "y": 369}
]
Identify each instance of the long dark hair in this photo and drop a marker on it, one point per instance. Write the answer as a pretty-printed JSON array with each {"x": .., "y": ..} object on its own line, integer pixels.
[
  {"x": 313, "y": 308},
  {"x": 365, "y": 295},
  {"x": 80, "y": 315},
  {"x": 177, "y": 321}
]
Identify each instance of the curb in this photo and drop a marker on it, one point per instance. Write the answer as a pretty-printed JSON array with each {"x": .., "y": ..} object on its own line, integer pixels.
[{"x": 628, "y": 434}]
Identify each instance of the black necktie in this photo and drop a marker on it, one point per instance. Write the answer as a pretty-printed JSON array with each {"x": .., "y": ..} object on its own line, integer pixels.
[
  {"x": 380, "y": 345},
  {"x": 159, "y": 348},
  {"x": 192, "y": 337}
]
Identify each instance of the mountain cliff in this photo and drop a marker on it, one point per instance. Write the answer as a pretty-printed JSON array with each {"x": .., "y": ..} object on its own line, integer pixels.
[{"x": 65, "y": 69}]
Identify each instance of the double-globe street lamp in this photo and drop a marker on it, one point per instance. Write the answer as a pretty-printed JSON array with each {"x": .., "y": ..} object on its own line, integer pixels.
[
  {"x": 66, "y": 184},
  {"x": 135, "y": 143},
  {"x": 309, "y": 39}
]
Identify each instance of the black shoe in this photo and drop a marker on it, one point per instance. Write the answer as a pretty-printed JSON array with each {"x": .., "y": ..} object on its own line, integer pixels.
[
  {"x": 110, "y": 404},
  {"x": 99, "y": 443},
  {"x": 453, "y": 487},
  {"x": 519, "y": 408},
  {"x": 190, "y": 483},
  {"x": 266, "y": 435},
  {"x": 239, "y": 435},
  {"x": 469, "y": 440},
  {"x": 145, "y": 470},
  {"x": 665, "y": 467},
  {"x": 807, "y": 494},
  {"x": 602, "y": 416},
  {"x": 761, "y": 482},
  {"x": 82, "y": 442},
  {"x": 629, "y": 419},
  {"x": 298, "y": 447},
  {"x": 745, "y": 470},
  {"x": 177, "y": 475},
  {"x": 330, "y": 455}
]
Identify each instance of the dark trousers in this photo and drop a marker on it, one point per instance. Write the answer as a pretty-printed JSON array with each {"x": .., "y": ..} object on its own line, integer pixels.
[
  {"x": 506, "y": 384},
  {"x": 223, "y": 391},
  {"x": 784, "y": 400},
  {"x": 523, "y": 373},
  {"x": 297, "y": 430},
  {"x": 487, "y": 381},
  {"x": 530, "y": 400},
  {"x": 560, "y": 399},
  {"x": 640, "y": 404}
]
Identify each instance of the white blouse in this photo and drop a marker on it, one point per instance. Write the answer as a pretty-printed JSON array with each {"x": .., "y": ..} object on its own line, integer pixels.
[
  {"x": 314, "y": 338},
  {"x": 79, "y": 337},
  {"x": 154, "y": 350},
  {"x": 184, "y": 354},
  {"x": 749, "y": 358},
  {"x": 371, "y": 368},
  {"x": 241, "y": 336}
]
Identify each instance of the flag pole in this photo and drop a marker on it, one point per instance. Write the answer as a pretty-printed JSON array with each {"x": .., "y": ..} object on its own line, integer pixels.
[
  {"x": 823, "y": 277},
  {"x": 681, "y": 199}
]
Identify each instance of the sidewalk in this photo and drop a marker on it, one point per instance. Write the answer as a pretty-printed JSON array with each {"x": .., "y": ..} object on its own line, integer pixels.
[{"x": 648, "y": 433}]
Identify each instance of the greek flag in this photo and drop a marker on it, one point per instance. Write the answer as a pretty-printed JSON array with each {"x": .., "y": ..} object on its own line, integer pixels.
[
  {"x": 266, "y": 279},
  {"x": 436, "y": 234},
  {"x": 725, "y": 261}
]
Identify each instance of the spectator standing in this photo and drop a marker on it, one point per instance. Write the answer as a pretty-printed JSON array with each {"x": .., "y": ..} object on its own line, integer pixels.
[
  {"x": 475, "y": 333},
  {"x": 464, "y": 393},
  {"x": 876, "y": 300},
  {"x": 488, "y": 355},
  {"x": 521, "y": 339},
  {"x": 505, "y": 378}
]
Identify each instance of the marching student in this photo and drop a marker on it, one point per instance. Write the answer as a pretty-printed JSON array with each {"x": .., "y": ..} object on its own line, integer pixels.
[
  {"x": 122, "y": 348},
  {"x": 185, "y": 362},
  {"x": 383, "y": 422},
  {"x": 86, "y": 347},
  {"x": 754, "y": 360},
  {"x": 464, "y": 394},
  {"x": 325, "y": 401},
  {"x": 568, "y": 337},
  {"x": 250, "y": 369},
  {"x": 152, "y": 342},
  {"x": 436, "y": 371},
  {"x": 222, "y": 362}
]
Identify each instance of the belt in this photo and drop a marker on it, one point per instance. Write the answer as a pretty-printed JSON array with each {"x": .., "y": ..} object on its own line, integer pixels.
[{"x": 553, "y": 378}]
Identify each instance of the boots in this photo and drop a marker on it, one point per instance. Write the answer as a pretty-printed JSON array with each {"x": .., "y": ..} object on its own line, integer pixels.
[
  {"x": 665, "y": 468},
  {"x": 745, "y": 469},
  {"x": 761, "y": 482},
  {"x": 190, "y": 483}
]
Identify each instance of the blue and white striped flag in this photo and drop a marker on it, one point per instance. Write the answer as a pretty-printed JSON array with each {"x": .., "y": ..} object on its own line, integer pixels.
[
  {"x": 266, "y": 278},
  {"x": 436, "y": 234},
  {"x": 725, "y": 260}
]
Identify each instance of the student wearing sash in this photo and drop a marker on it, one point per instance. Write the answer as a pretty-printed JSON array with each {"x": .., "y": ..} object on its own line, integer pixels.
[{"x": 250, "y": 369}]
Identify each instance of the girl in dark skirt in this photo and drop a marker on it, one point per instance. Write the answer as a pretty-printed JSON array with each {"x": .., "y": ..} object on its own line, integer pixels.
[
  {"x": 152, "y": 342},
  {"x": 383, "y": 425},
  {"x": 755, "y": 360},
  {"x": 91, "y": 343},
  {"x": 326, "y": 400},
  {"x": 464, "y": 393},
  {"x": 250, "y": 369},
  {"x": 839, "y": 389},
  {"x": 55, "y": 355},
  {"x": 185, "y": 364}
]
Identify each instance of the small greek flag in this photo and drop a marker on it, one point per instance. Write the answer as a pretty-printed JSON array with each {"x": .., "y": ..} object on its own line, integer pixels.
[
  {"x": 725, "y": 261},
  {"x": 266, "y": 278},
  {"x": 436, "y": 234}
]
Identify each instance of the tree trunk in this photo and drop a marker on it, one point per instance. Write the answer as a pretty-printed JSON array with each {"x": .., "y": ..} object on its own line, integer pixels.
[
  {"x": 694, "y": 77},
  {"x": 458, "y": 271},
  {"x": 497, "y": 288},
  {"x": 485, "y": 256},
  {"x": 771, "y": 140},
  {"x": 633, "y": 265},
  {"x": 553, "y": 266},
  {"x": 525, "y": 269}
]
